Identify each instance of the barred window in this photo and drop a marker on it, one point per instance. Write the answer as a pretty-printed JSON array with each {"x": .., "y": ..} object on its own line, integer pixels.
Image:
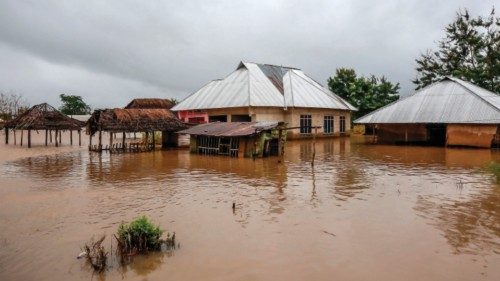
[
  {"x": 328, "y": 125},
  {"x": 342, "y": 124},
  {"x": 305, "y": 124}
]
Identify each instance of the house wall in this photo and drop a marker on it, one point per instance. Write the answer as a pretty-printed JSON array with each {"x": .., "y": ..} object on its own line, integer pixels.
[
  {"x": 394, "y": 133},
  {"x": 291, "y": 116},
  {"x": 470, "y": 135}
]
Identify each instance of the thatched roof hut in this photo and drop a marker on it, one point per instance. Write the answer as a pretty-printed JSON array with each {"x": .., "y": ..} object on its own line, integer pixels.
[
  {"x": 43, "y": 117},
  {"x": 134, "y": 120},
  {"x": 150, "y": 103}
]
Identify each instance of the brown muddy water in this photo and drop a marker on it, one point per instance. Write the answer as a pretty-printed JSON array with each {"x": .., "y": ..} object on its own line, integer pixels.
[{"x": 363, "y": 212}]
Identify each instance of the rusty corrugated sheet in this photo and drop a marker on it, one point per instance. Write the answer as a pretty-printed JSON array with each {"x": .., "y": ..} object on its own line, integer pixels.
[{"x": 229, "y": 129}]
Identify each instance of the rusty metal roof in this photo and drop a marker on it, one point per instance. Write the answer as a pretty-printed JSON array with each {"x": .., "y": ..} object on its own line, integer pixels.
[{"x": 229, "y": 129}]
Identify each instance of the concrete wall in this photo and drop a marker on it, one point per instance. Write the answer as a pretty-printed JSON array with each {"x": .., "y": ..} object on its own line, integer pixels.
[
  {"x": 470, "y": 135},
  {"x": 291, "y": 116}
]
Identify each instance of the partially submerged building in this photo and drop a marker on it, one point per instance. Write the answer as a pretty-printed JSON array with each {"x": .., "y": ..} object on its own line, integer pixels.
[
  {"x": 262, "y": 92},
  {"x": 238, "y": 139},
  {"x": 450, "y": 112},
  {"x": 43, "y": 117}
]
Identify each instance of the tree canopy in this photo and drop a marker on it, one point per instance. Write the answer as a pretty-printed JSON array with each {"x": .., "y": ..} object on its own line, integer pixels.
[
  {"x": 470, "y": 51},
  {"x": 365, "y": 93},
  {"x": 73, "y": 105}
]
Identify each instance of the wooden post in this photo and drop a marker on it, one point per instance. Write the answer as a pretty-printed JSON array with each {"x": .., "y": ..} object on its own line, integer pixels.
[
  {"x": 22, "y": 132},
  {"x": 29, "y": 138},
  {"x": 46, "y": 137},
  {"x": 135, "y": 136},
  {"x": 123, "y": 141},
  {"x": 60, "y": 136},
  {"x": 110, "y": 140},
  {"x": 79, "y": 137},
  {"x": 71, "y": 137},
  {"x": 6, "y": 136},
  {"x": 154, "y": 141},
  {"x": 55, "y": 138},
  {"x": 50, "y": 133},
  {"x": 15, "y": 140},
  {"x": 100, "y": 141},
  {"x": 90, "y": 141},
  {"x": 314, "y": 145}
]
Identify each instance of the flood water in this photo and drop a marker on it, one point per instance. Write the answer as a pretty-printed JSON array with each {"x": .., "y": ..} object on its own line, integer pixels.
[{"x": 363, "y": 212}]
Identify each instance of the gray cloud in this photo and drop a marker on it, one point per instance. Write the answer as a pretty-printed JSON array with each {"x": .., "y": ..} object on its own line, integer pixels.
[{"x": 112, "y": 51}]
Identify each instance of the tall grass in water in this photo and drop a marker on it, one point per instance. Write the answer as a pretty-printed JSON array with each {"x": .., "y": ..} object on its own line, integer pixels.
[
  {"x": 95, "y": 254},
  {"x": 142, "y": 236}
]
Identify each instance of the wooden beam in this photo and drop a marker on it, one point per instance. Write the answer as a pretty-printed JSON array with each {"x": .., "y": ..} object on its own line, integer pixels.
[
  {"x": 55, "y": 138},
  {"x": 46, "y": 137},
  {"x": 29, "y": 138},
  {"x": 60, "y": 136},
  {"x": 71, "y": 137},
  {"x": 15, "y": 140},
  {"x": 6, "y": 136},
  {"x": 100, "y": 141},
  {"x": 50, "y": 133},
  {"x": 22, "y": 137}
]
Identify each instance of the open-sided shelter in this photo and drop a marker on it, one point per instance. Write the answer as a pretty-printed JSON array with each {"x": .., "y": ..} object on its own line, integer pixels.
[
  {"x": 43, "y": 117},
  {"x": 449, "y": 112},
  {"x": 123, "y": 121}
]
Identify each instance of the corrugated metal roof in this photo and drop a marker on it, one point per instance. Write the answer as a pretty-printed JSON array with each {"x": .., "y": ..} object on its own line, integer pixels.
[
  {"x": 450, "y": 100},
  {"x": 263, "y": 85},
  {"x": 229, "y": 129}
]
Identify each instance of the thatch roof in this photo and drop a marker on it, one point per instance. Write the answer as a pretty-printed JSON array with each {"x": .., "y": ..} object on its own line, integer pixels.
[
  {"x": 44, "y": 117},
  {"x": 134, "y": 120},
  {"x": 150, "y": 104}
]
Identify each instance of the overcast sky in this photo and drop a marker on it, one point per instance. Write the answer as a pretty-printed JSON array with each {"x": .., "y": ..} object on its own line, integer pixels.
[{"x": 112, "y": 51}]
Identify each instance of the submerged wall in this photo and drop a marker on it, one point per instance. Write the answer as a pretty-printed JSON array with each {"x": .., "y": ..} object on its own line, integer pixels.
[
  {"x": 470, "y": 135},
  {"x": 401, "y": 133}
]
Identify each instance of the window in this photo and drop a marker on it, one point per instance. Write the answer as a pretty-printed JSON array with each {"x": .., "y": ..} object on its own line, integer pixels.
[
  {"x": 328, "y": 125},
  {"x": 305, "y": 124},
  {"x": 342, "y": 124}
]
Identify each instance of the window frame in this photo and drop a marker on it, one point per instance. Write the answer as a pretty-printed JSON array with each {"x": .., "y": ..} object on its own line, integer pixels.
[
  {"x": 305, "y": 121},
  {"x": 328, "y": 124},
  {"x": 342, "y": 124}
]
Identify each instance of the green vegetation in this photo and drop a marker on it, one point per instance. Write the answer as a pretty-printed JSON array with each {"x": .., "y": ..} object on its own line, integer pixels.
[
  {"x": 142, "y": 236},
  {"x": 365, "y": 93},
  {"x": 470, "y": 51},
  {"x": 73, "y": 105}
]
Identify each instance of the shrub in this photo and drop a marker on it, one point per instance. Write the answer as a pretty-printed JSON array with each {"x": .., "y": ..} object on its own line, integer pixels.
[{"x": 139, "y": 236}]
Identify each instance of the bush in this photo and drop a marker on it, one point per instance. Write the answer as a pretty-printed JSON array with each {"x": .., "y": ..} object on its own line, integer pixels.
[{"x": 139, "y": 236}]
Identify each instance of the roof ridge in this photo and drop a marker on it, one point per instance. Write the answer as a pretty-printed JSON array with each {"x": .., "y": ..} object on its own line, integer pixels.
[{"x": 462, "y": 82}]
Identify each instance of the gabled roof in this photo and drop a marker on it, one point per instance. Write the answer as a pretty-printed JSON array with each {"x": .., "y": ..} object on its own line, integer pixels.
[
  {"x": 263, "y": 85},
  {"x": 450, "y": 100}
]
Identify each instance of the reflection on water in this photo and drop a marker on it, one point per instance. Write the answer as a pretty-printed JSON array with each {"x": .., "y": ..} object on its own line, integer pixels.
[{"x": 370, "y": 199}]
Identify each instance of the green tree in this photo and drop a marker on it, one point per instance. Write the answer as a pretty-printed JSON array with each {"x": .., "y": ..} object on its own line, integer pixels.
[
  {"x": 470, "y": 51},
  {"x": 365, "y": 93},
  {"x": 73, "y": 105}
]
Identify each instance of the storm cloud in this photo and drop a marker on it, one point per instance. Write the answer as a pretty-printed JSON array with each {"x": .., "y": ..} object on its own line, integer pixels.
[{"x": 112, "y": 51}]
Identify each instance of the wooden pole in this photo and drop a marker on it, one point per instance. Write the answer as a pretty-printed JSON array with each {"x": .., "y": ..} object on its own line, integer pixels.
[
  {"x": 29, "y": 138},
  {"x": 22, "y": 132},
  {"x": 123, "y": 141},
  {"x": 71, "y": 137},
  {"x": 154, "y": 141},
  {"x": 50, "y": 133},
  {"x": 55, "y": 138},
  {"x": 46, "y": 137},
  {"x": 79, "y": 137},
  {"x": 100, "y": 141},
  {"x": 90, "y": 141},
  {"x": 110, "y": 140},
  {"x": 60, "y": 136},
  {"x": 6, "y": 136},
  {"x": 15, "y": 140},
  {"x": 314, "y": 145}
]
